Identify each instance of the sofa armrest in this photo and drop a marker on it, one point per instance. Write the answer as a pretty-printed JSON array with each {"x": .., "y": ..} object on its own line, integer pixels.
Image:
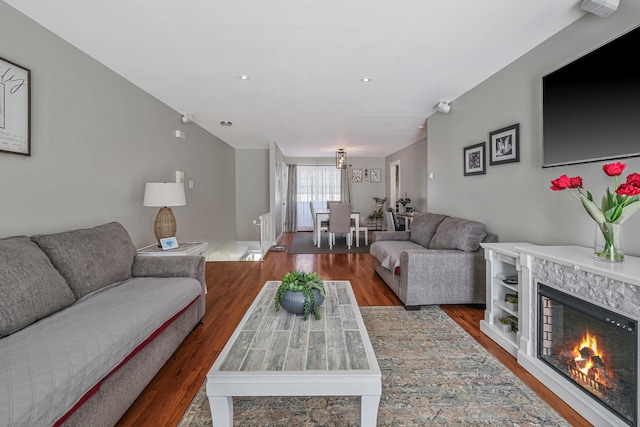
[
  {"x": 171, "y": 266},
  {"x": 442, "y": 276},
  {"x": 390, "y": 235}
]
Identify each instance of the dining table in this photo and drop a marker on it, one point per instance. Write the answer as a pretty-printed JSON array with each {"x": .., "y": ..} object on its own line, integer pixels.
[{"x": 323, "y": 215}]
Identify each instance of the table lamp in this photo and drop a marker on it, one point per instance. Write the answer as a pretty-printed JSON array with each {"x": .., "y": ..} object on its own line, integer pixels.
[{"x": 164, "y": 194}]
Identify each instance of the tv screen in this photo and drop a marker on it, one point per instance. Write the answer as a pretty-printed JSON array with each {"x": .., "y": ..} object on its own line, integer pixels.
[{"x": 591, "y": 107}]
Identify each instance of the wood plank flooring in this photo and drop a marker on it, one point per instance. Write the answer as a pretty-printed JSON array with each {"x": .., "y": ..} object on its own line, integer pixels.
[{"x": 232, "y": 286}]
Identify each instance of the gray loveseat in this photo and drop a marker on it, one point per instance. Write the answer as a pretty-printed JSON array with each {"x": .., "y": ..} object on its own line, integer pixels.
[
  {"x": 439, "y": 261},
  {"x": 85, "y": 324}
]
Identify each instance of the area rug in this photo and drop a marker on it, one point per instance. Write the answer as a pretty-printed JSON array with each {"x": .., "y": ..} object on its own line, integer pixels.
[
  {"x": 433, "y": 373},
  {"x": 302, "y": 243}
]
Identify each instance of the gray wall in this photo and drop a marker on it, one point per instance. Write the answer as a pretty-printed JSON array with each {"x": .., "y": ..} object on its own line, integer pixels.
[
  {"x": 514, "y": 199},
  {"x": 413, "y": 174},
  {"x": 96, "y": 140},
  {"x": 252, "y": 191}
]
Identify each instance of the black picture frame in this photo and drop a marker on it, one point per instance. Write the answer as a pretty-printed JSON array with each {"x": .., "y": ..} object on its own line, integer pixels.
[
  {"x": 474, "y": 159},
  {"x": 15, "y": 108},
  {"x": 505, "y": 145}
]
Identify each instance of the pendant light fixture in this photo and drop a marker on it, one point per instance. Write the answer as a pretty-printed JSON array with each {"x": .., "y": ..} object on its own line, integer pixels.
[{"x": 341, "y": 159}]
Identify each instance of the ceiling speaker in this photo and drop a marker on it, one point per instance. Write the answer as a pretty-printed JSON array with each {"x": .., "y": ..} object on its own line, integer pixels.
[
  {"x": 443, "y": 107},
  {"x": 601, "y": 8}
]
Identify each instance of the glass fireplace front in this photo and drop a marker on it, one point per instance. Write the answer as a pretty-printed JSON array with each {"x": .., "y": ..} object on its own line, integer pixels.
[{"x": 594, "y": 348}]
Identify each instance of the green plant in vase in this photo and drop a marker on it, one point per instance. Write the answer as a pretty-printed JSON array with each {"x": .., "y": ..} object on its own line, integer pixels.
[
  {"x": 505, "y": 323},
  {"x": 378, "y": 213},
  {"x": 300, "y": 293},
  {"x": 511, "y": 301},
  {"x": 504, "y": 320}
]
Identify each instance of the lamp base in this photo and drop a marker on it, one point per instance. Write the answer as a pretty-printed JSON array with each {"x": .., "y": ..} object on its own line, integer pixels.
[{"x": 165, "y": 224}]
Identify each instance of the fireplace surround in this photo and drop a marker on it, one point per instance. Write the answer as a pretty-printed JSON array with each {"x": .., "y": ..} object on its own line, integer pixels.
[
  {"x": 594, "y": 348},
  {"x": 567, "y": 296}
]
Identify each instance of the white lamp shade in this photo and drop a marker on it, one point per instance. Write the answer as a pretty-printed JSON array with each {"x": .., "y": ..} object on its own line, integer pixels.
[{"x": 164, "y": 194}]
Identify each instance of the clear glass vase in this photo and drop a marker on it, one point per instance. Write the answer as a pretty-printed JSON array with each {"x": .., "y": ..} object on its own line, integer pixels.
[{"x": 609, "y": 245}]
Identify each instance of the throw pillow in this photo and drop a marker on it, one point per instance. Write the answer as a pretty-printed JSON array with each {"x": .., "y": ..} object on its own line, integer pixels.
[
  {"x": 424, "y": 226},
  {"x": 461, "y": 234},
  {"x": 30, "y": 286},
  {"x": 90, "y": 259}
]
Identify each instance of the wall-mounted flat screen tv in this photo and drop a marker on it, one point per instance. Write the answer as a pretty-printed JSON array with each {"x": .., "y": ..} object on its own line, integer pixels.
[{"x": 591, "y": 106}]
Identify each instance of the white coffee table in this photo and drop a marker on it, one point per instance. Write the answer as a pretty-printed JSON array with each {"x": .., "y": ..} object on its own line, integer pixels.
[{"x": 278, "y": 354}]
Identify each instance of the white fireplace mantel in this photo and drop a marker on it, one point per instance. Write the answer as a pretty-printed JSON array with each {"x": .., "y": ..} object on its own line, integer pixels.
[
  {"x": 573, "y": 270},
  {"x": 581, "y": 258}
]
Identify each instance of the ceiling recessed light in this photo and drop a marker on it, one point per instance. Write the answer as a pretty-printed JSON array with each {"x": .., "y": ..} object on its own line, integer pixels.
[
  {"x": 225, "y": 123},
  {"x": 365, "y": 80},
  {"x": 243, "y": 77}
]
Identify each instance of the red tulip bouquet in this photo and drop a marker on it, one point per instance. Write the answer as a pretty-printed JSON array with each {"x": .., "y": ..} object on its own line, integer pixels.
[{"x": 616, "y": 207}]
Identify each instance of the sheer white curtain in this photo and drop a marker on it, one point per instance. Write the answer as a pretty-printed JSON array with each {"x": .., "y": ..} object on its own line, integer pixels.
[{"x": 317, "y": 184}]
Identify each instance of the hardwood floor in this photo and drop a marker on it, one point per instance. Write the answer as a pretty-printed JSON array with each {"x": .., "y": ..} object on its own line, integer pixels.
[{"x": 232, "y": 286}]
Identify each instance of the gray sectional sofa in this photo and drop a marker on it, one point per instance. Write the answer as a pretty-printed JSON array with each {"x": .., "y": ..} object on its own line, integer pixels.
[
  {"x": 439, "y": 261},
  {"x": 85, "y": 324}
]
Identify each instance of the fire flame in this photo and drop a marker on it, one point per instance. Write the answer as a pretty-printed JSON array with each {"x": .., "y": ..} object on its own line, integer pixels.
[
  {"x": 587, "y": 367},
  {"x": 589, "y": 341}
]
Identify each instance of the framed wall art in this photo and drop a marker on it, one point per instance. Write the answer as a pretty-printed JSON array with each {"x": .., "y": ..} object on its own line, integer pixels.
[
  {"x": 474, "y": 162},
  {"x": 375, "y": 175},
  {"x": 505, "y": 145},
  {"x": 15, "y": 108},
  {"x": 356, "y": 175}
]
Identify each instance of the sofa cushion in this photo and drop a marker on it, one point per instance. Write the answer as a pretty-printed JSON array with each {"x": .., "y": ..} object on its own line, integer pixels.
[
  {"x": 424, "y": 226},
  {"x": 53, "y": 364},
  {"x": 30, "y": 287},
  {"x": 92, "y": 258},
  {"x": 461, "y": 234}
]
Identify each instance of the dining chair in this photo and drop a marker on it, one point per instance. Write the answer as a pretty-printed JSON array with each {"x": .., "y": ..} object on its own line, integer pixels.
[
  {"x": 392, "y": 223},
  {"x": 329, "y": 203},
  {"x": 363, "y": 227},
  {"x": 339, "y": 222},
  {"x": 324, "y": 225}
]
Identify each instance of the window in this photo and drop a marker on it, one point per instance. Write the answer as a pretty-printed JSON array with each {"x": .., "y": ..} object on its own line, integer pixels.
[{"x": 317, "y": 184}]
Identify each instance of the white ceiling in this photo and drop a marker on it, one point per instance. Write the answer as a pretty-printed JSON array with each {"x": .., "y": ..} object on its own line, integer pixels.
[{"x": 305, "y": 60}]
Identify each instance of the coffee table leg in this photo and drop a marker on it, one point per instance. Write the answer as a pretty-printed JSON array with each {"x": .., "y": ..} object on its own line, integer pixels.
[
  {"x": 369, "y": 410},
  {"x": 222, "y": 411}
]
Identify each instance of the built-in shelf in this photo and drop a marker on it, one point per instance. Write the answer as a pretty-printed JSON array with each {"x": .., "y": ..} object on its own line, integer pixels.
[{"x": 503, "y": 261}]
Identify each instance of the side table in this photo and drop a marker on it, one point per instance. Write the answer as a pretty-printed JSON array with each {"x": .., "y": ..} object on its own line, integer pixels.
[{"x": 183, "y": 249}]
